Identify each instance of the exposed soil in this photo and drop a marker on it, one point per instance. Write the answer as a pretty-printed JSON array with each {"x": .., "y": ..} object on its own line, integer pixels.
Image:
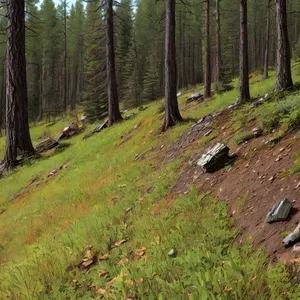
[{"x": 258, "y": 178}]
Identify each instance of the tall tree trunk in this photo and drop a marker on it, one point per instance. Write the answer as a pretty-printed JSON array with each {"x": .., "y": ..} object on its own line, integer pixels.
[
  {"x": 179, "y": 84},
  {"x": 3, "y": 99},
  {"x": 183, "y": 58},
  {"x": 114, "y": 114},
  {"x": 65, "y": 58},
  {"x": 283, "y": 75},
  {"x": 207, "y": 84},
  {"x": 267, "y": 45},
  {"x": 244, "y": 94},
  {"x": 200, "y": 57},
  {"x": 17, "y": 128},
  {"x": 218, "y": 43},
  {"x": 172, "y": 114}
]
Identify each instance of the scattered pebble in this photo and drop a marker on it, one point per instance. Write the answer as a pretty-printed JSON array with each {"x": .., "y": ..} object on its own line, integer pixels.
[
  {"x": 53, "y": 172},
  {"x": 129, "y": 209},
  {"x": 297, "y": 186},
  {"x": 172, "y": 253},
  {"x": 271, "y": 179},
  {"x": 208, "y": 133}
]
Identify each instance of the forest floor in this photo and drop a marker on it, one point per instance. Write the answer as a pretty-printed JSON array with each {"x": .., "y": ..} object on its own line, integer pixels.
[{"x": 102, "y": 225}]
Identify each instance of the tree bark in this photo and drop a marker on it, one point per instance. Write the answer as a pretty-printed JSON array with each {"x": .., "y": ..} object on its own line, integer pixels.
[
  {"x": 267, "y": 45},
  {"x": 283, "y": 75},
  {"x": 17, "y": 127},
  {"x": 65, "y": 58},
  {"x": 207, "y": 84},
  {"x": 114, "y": 114},
  {"x": 218, "y": 43},
  {"x": 244, "y": 94},
  {"x": 172, "y": 114}
]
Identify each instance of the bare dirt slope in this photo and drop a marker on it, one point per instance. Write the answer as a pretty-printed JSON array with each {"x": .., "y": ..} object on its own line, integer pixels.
[{"x": 258, "y": 178}]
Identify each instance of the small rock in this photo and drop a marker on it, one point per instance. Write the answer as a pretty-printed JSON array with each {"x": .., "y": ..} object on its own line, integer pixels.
[
  {"x": 281, "y": 149},
  {"x": 53, "y": 172},
  {"x": 296, "y": 248},
  {"x": 297, "y": 186},
  {"x": 172, "y": 253},
  {"x": 200, "y": 120},
  {"x": 208, "y": 133},
  {"x": 179, "y": 94},
  {"x": 271, "y": 179},
  {"x": 129, "y": 209},
  {"x": 278, "y": 158},
  {"x": 257, "y": 131}
]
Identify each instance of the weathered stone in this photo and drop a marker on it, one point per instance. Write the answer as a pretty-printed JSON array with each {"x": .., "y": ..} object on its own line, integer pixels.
[
  {"x": 208, "y": 133},
  {"x": 100, "y": 127},
  {"x": 172, "y": 253},
  {"x": 195, "y": 97},
  {"x": 53, "y": 172},
  {"x": 213, "y": 157},
  {"x": 257, "y": 131},
  {"x": 179, "y": 94},
  {"x": 233, "y": 106},
  {"x": 292, "y": 237},
  {"x": 280, "y": 211}
]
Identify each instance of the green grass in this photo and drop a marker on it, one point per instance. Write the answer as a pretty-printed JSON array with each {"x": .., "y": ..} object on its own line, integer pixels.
[
  {"x": 296, "y": 166},
  {"x": 44, "y": 231}
]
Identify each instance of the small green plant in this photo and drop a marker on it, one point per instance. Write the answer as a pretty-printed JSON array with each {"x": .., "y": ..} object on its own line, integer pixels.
[
  {"x": 296, "y": 167},
  {"x": 285, "y": 113},
  {"x": 217, "y": 87},
  {"x": 244, "y": 137},
  {"x": 241, "y": 201}
]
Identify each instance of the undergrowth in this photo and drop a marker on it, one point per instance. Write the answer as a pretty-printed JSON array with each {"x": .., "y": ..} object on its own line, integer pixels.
[{"x": 107, "y": 195}]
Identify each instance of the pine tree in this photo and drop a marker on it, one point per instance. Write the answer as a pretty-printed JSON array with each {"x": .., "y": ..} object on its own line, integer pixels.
[
  {"x": 244, "y": 94},
  {"x": 52, "y": 48},
  {"x": 172, "y": 114},
  {"x": 114, "y": 114},
  {"x": 33, "y": 58},
  {"x": 124, "y": 39},
  {"x": 75, "y": 50},
  {"x": 95, "y": 84},
  {"x": 283, "y": 75},
  {"x": 17, "y": 127}
]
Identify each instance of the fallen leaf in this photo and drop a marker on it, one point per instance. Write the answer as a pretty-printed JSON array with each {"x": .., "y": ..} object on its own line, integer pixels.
[
  {"x": 88, "y": 255},
  {"x": 122, "y": 186},
  {"x": 254, "y": 278},
  {"x": 104, "y": 257},
  {"x": 141, "y": 251},
  {"x": 154, "y": 274},
  {"x": 227, "y": 289},
  {"x": 103, "y": 273},
  {"x": 157, "y": 239},
  {"x": 123, "y": 261},
  {"x": 118, "y": 243},
  {"x": 100, "y": 291},
  {"x": 122, "y": 277}
]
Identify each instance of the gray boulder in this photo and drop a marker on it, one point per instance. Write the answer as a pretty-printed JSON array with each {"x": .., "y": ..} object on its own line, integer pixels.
[
  {"x": 292, "y": 237},
  {"x": 280, "y": 211},
  {"x": 214, "y": 157}
]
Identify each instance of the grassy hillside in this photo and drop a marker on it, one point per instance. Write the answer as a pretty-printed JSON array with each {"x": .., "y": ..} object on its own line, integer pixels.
[{"x": 105, "y": 196}]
